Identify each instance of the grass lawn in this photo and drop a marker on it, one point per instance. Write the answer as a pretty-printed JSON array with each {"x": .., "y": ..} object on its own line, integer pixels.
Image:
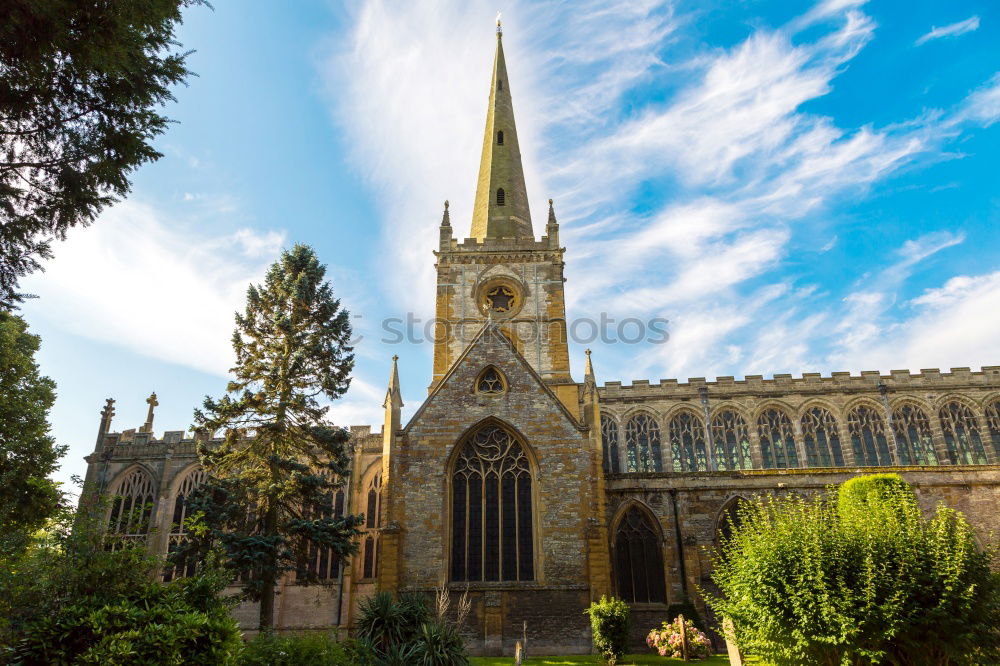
[{"x": 630, "y": 660}]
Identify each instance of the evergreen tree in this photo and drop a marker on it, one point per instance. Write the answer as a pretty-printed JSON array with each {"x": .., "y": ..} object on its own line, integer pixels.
[
  {"x": 80, "y": 85},
  {"x": 269, "y": 497},
  {"x": 28, "y": 454}
]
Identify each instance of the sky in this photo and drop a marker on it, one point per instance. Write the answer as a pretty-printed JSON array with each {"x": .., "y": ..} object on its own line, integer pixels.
[{"x": 795, "y": 187}]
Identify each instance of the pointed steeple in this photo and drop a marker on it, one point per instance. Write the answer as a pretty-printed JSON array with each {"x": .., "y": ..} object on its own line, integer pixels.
[
  {"x": 501, "y": 207},
  {"x": 588, "y": 373},
  {"x": 392, "y": 394}
]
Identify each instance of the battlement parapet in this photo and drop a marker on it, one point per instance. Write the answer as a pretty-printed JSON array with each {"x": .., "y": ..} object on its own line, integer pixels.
[
  {"x": 781, "y": 383},
  {"x": 453, "y": 249}
]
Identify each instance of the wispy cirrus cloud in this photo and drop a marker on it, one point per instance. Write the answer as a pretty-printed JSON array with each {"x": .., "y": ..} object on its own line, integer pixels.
[{"x": 970, "y": 24}]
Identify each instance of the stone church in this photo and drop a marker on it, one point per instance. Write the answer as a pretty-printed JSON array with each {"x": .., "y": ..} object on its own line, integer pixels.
[{"x": 539, "y": 493}]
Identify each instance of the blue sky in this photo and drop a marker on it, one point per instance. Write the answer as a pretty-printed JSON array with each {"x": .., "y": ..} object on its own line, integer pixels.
[{"x": 797, "y": 187}]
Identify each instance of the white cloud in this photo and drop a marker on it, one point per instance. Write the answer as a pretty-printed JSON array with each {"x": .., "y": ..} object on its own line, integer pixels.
[
  {"x": 970, "y": 24},
  {"x": 154, "y": 285},
  {"x": 983, "y": 105}
]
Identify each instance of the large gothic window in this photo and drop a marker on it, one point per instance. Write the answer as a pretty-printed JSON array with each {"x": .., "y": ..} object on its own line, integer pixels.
[
  {"x": 638, "y": 559},
  {"x": 642, "y": 444},
  {"x": 687, "y": 442},
  {"x": 961, "y": 435},
  {"x": 777, "y": 443},
  {"x": 868, "y": 437},
  {"x": 609, "y": 441},
  {"x": 993, "y": 421},
  {"x": 131, "y": 510},
  {"x": 913, "y": 436},
  {"x": 178, "y": 528},
  {"x": 492, "y": 538},
  {"x": 732, "y": 441},
  {"x": 819, "y": 434},
  {"x": 373, "y": 524},
  {"x": 322, "y": 561}
]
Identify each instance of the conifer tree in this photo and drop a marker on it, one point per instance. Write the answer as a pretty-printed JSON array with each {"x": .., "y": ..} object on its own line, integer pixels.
[{"x": 270, "y": 493}]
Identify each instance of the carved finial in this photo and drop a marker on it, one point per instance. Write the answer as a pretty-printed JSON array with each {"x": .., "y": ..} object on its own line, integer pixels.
[
  {"x": 499, "y": 25},
  {"x": 446, "y": 218},
  {"x": 552, "y": 214},
  {"x": 109, "y": 409},
  {"x": 152, "y": 402},
  {"x": 588, "y": 370}
]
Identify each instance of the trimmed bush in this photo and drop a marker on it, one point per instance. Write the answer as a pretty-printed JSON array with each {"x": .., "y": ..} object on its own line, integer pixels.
[
  {"x": 855, "y": 494},
  {"x": 609, "y": 623}
]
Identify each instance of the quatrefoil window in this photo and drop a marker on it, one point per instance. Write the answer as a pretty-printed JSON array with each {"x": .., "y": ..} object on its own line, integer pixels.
[{"x": 491, "y": 381}]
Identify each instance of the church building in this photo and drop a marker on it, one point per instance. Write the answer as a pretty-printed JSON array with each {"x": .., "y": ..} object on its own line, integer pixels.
[{"x": 538, "y": 492}]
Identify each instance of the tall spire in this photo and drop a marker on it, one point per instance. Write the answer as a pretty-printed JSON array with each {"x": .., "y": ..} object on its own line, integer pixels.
[{"x": 501, "y": 207}]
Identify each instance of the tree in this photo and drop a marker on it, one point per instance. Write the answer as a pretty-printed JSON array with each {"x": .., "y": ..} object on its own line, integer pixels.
[
  {"x": 28, "y": 454},
  {"x": 270, "y": 493},
  {"x": 865, "y": 579},
  {"x": 80, "y": 85}
]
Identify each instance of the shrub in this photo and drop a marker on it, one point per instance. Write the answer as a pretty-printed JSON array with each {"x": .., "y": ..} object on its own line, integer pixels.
[
  {"x": 667, "y": 640},
  {"x": 609, "y": 623},
  {"x": 315, "y": 649},
  {"x": 865, "y": 579},
  {"x": 405, "y": 632}
]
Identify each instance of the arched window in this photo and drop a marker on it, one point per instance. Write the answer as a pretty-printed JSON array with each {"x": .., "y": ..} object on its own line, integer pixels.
[
  {"x": 373, "y": 524},
  {"x": 609, "y": 441},
  {"x": 491, "y": 381},
  {"x": 732, "y": 441},
  {"x": 323, "y": 562},
  {"x": 178, "y": 528},
  {"x": 687, "y": 441},
  {"x": 501, "y": 196},
  {"x": 913, "y": 436},
  {"x": 961, "y": 435},
  {"x": 867, "y": 428},
  {"x": 492, "y": 538},
  {"x": 777, "y": 443},
  {"x": 729, "y": 520},
  {"x": 993, "y": 421},
  {"x": 500, "y": 138},
  {"x": 642, "y": 444},
  {"x": 638, "y": 559},
  {"x": 819, "y": 434},
  {"x": 131, "y": 510}
]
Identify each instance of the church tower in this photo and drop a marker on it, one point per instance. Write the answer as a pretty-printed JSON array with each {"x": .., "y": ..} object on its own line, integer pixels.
[{"x": 502, "y": 271}]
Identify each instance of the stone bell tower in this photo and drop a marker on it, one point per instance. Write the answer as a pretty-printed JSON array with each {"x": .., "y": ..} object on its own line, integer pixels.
[{"x": 502, "y": 272}]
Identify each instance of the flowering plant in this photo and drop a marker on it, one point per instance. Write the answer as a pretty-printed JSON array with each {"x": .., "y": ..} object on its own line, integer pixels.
[{"x": 667, "y": 640}]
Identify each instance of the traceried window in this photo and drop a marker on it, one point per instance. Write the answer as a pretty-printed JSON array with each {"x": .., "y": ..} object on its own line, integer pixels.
[
  {"x": 609, "y": 441},
  {"x": 732, "y": 441},
  {"x": 491, "y": 535},
  {"x": 777, "y": 443},
  {"x": 638, "y": 559},
  {"x": 819, "y": 434},
  {"x": 687, "y": 442},
  {"x": 500, "y": 138},
  {"x": 178, "y": 528},
  {"x": 501, "y": 197},
  {"x": 322, "y": 561},
  {"x": 373, "y": 525},
  {"x": 131, "y": 510},
  {"x": 642, "y": 444},
  {"x": 961, "y": 435},
  {"x": 914, "y": 444},
  {"x": 993, "y": 421},
  {"x": 501, "y": 298},
  {"x": 868, "y": 437},
  {"x": 490, "y": 381}
]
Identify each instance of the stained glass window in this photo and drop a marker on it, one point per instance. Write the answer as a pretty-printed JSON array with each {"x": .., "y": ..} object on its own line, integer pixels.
[
  {"x": 322, "y": 561},
  {"x": 993, "y": 421},
  {"x": 178, "y": 529},
  {"x": 912, "y": 428},
  {"x": 490, "y": 381},
  {"x": 492, "y": 538},
  {"x": 868, "y": 437},
  {"x": 777, "y": 443},
  {"x": 642, "y": 444},
  {"x": 822, "y": 441},
  {"x": 732, "y": 441},
  {"x": 961, "y": 435},
  {"x": 687, "y": 442},
  {"x": 373, "y": 523},
  {"x": 131, "y": 510},
  {"x": 609, "y": 440},
  {"x": 638, "y": 559}
]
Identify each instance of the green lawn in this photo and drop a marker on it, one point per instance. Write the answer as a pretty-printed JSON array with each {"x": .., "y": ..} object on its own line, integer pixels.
[{"x": 630, "y": 660}]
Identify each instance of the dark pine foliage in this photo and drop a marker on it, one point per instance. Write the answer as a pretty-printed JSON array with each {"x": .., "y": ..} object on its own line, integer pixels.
[
  {"x": 81, "y": 83},
  {"x": 273, "y": 478}
]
